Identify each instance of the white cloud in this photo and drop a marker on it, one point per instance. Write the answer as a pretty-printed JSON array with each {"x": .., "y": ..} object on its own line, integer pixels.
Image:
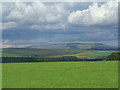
[
  {"x": 39, "y": 15},
  {"x": 95, "y": 15},
  {"x": 48, "y": 27},
  {"x": 6, "y": 41},
  {"x": 33, "y": 13},
  {"x": 14, "y": 46},
  {"x": 9, "y": 25},
  {"x": 50, "y": 17}
]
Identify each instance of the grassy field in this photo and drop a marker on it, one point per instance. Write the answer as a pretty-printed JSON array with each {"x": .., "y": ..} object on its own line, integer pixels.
[
  {"x": 97, "y": 53},
  {"x": 53, "y": 52},
  {"x": 0, "y": 75},
  {"x": 101, "y": 74},
  {"x": 90, "y": 54},
  {"x": 38, "y": 52}
]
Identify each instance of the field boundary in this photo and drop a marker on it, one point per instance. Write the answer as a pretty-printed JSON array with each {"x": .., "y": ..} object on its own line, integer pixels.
[
  {"x": 60, "y": 88},
  {"x": 45, "y": 59}
]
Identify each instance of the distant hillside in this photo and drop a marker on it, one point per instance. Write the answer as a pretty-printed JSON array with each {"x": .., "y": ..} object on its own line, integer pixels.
[
  {"x": 82, "y": 50},
  {"x": 38, "y": 52},
  {"x": 81, "y": 46},
  {"x": 35, "y": 52}
]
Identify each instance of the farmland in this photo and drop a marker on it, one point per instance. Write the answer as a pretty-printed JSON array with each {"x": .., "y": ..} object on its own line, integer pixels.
[
  {"x": 0, "y": 75},
  {"x": 63, "y": 44},
  {"x": 49, "y": 71},
  {"x": 102, "y": 74},
  {"x": 38, "y": 52},
  {"x": 21, "y": 52},
  {"x": 52, "y": 55}
]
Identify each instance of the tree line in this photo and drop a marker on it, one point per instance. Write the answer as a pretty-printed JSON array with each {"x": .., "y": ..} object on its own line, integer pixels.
[
  {"x": 113, "y": 57},
  {"x": 44, "y": 59}
]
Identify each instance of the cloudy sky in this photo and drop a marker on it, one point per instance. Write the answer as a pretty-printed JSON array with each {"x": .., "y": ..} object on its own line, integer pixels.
[{"x": 40, "y": 23}]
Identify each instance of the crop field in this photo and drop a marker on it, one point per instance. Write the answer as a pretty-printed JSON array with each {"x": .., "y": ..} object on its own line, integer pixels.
[
  {"x": 90, "y": 54},
  {"x": 0, "y": 75},
  {"x": 97, "y": 53},
  {"x": 53, "y": 52},
  {"x": 38, "y": 52},
  {"x": 99, "y": 74}
]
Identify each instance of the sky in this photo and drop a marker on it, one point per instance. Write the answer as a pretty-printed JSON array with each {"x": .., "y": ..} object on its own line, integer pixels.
[{"x": 42, "y": 23}]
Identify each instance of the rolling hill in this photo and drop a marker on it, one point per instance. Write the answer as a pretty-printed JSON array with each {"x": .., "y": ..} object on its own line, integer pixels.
[
  {"x": 38, "y": 52},
  {"x": 81, "y": 50},
  {"x": 81, "y": 46}
]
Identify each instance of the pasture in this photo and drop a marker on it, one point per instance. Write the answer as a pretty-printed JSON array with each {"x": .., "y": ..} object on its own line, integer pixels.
[
  {"x": 99, "y": 74},
  {"x": 21, "y": 52},
  {"x": 97, "y": 53}
]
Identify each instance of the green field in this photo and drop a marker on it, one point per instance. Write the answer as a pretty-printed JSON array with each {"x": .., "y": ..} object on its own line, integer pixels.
[
  {"x": 0, "y": 75},
  {"x": 38, "y": 52},
  {"x": 101, "y": 74},
  {"x": 97, "y": 53},
  {"x": 22, "y": 52}
]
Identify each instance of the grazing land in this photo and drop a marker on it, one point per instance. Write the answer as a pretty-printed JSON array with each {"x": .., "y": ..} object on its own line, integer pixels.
[
  {"x": 38, "y": 52},
  {"x": 43, "y": 74},
  {"x": 52, "y": 55},
  {"x": 21, "y": 52},
  {"x": 0, "y": 75},
  {"x": 101, "y": 74}
]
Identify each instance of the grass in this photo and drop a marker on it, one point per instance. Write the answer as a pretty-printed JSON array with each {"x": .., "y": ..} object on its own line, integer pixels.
[
  {"x": 90, "y": 54},
  {"x": 0, "y": 76},
  {"x": 101, "y": 74},
  {"x": 52, "y": 52},
  {"x": 38, "y": 52},
  {"x": 98, "y": 53}
]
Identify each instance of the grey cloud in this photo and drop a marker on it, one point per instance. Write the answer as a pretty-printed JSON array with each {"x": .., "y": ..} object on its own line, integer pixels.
[{"x": 43, "y": 23}]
